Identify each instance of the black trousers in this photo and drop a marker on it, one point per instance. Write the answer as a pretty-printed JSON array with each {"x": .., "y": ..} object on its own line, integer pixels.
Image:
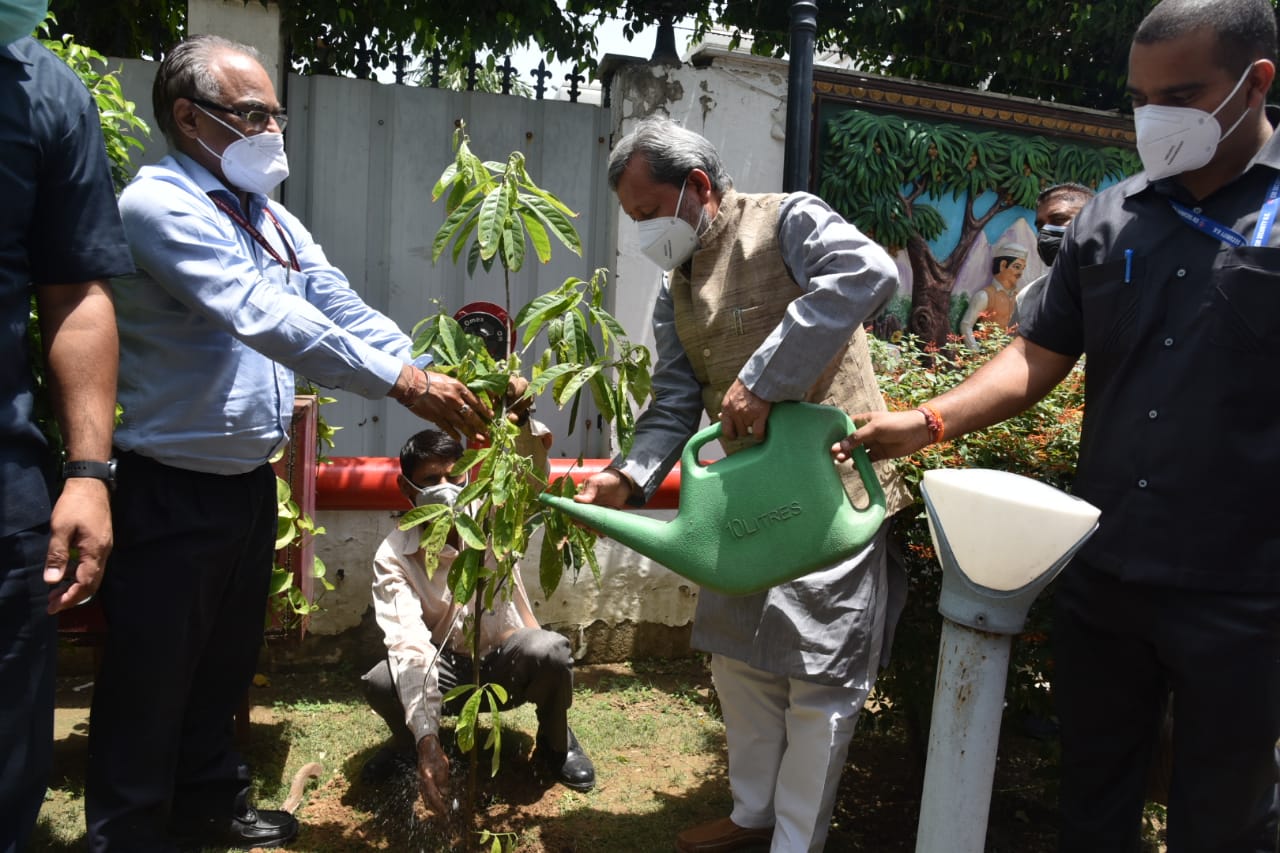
[
  {"x": 1119, "y": 649},
  {"x": 27, "y": 654},
  {"x": 532, "y": 664},
  {"x": 185, "y": 601}
]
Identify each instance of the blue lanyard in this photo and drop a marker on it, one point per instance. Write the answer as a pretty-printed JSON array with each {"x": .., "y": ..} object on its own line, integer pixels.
[{"x": 1230, "y": 236}]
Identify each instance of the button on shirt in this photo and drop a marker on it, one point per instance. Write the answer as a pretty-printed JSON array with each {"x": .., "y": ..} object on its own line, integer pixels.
[
  {"x": 212, "y": 328},
  {"x": 1180, "y": 447},
  {"x": 58, "y": 225}
]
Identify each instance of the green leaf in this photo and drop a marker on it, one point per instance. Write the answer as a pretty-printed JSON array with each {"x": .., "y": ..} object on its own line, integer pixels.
[
  {"x": 537, "y": 235},
  {"x": 501, "y": 477},
  {"x": 460, "y": 241},
  {"x": 513, "y": 245},
  {"x": 473, "y": 490},
  {"x": 420, "y": 514},
  {"x": 285, "y": 531},
  {"x": 550, "y": 561},
  {"x": 584, "y": 349},
  {"x": 446, "y": 177},
  {"x": 465, "y": 729},
  {"x": 469, "y": 531},
  {"x": 531, "y": 317},
  {"x": 603, "y": 395},
  {"x": 612, "y": 328},
  {"x": 556, "y": 223},
  {"x": 494, "y": 211},
  {"x": 576, "y": 382},
  {"x": 469, "y": 206},
  {"x": 457, "y": 691},
  {"x": 433, "y": 541},
  {"x": 464, "y": 573},
  {"x": 281, "y": 580},
  {"x": 542, "y": 378}
]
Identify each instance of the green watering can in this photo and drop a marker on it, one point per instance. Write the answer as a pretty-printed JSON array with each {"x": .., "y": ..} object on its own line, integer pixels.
[{"x": 765, "y": 515}]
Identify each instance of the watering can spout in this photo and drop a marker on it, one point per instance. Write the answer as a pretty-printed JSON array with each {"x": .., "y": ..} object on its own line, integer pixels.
[
  {"x": 658, "y": 540},
  {"x": 763, "y": 516}
]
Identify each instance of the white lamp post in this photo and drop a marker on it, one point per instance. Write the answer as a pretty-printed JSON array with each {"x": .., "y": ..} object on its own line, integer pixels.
[{"x": 1001, "y": 538}]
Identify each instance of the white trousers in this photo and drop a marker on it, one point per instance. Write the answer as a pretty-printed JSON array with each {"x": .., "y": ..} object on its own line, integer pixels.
[{"x": 787, "y": 744}]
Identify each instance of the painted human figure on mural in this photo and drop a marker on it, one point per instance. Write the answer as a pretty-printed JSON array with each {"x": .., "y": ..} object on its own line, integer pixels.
[{"x": 997, "y": 301}]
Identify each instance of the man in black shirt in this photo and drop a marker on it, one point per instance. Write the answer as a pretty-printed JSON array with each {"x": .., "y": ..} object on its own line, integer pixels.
[
  {"x": 1169, "y": 284},
  {"x": 60, "y": 238}
]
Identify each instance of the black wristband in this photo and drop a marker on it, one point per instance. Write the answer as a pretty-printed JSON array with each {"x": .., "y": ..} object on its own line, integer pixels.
[{"x": 104, "y": 471}]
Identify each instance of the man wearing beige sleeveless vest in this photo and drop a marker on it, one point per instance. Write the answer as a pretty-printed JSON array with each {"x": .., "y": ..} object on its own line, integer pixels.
[{"x": 765, "y": 302}]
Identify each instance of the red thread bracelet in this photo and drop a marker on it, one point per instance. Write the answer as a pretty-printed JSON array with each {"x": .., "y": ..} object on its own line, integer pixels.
[{"x": 933, "y": 422}]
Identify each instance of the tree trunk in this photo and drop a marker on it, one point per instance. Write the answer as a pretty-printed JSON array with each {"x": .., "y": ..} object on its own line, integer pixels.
[{"x": 931, "y": 285}]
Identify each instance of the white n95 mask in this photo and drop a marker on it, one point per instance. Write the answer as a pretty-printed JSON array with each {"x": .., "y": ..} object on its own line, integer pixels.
[
  {"x": 255, "y": 164},
  {"x": 1173, "y": 140},
  {"x": 668, "y": 241},
  {"x": 442, "y": 493}
]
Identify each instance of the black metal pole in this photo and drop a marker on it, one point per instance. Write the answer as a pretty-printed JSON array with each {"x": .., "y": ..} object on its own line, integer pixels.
[{"x": 804, "y": 29}]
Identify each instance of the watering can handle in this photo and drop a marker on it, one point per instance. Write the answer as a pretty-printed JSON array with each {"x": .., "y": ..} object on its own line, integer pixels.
[
  {"x": 692, "y": 468},
  {"x": 875, "y": 494}
]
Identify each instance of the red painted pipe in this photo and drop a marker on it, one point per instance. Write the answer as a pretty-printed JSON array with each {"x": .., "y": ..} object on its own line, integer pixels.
[{"x": 369, "y": 482}]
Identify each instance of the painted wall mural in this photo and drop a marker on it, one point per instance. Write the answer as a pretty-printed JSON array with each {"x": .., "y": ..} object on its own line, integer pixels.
[{"x": 947, "y": 180}]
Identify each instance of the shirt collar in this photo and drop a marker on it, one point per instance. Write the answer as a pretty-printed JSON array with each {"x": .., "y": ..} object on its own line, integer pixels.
[
  {"x": 208, "y": 183},
  {"x": 1268, "y": 155},
  {"x": 18, "y": 51}
]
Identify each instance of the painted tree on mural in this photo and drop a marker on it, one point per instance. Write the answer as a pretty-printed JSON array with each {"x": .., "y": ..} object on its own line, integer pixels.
[{"x": 887, "y": 174}]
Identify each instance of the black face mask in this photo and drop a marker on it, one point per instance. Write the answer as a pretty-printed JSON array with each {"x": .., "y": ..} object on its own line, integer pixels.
[{"x": 1048, "y": 241}]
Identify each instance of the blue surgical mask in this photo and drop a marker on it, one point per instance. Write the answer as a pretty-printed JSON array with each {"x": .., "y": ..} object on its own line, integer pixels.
[{"x": 19, "y": 18}]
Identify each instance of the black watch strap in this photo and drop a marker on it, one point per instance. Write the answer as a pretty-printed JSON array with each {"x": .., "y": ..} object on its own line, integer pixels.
[{"x": 105, "y": 471}]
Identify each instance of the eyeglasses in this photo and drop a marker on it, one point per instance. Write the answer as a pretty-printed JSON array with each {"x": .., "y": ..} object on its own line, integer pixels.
[{"x": 257, "y": 120}]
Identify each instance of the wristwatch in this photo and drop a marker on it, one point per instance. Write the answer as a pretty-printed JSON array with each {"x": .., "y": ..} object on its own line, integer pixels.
[{"x": 104, "y": 471}]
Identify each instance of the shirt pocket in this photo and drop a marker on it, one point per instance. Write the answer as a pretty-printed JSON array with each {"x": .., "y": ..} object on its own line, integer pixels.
[
  {"x": 1244, "y": 306},
  {"x": 1109, "y": 299}
]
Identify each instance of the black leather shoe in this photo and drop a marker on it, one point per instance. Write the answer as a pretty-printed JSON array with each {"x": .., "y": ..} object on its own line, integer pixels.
[
  {"x": 262, "y": 828},
  {"x": 245, "y": 828},
  {"x": 573, "y": 769}
]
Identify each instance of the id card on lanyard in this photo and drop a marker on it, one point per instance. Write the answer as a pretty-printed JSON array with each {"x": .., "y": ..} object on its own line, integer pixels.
[
  {"x": 239, "y": 219},
  {"x": 1230, "y": 236}
]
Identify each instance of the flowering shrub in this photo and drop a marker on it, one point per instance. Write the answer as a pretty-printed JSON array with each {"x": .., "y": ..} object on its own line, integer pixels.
[{"x": 1039, "y": 443}]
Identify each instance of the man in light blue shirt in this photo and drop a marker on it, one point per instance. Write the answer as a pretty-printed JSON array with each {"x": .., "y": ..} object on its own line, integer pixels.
[{"x": 232, "y": 298}]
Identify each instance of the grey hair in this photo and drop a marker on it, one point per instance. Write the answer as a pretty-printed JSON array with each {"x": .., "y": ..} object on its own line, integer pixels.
[
  {"x": 185, "y": 73},
  {"x": 1245, "y": 29},
  {"x": 672, "y": 152}
]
